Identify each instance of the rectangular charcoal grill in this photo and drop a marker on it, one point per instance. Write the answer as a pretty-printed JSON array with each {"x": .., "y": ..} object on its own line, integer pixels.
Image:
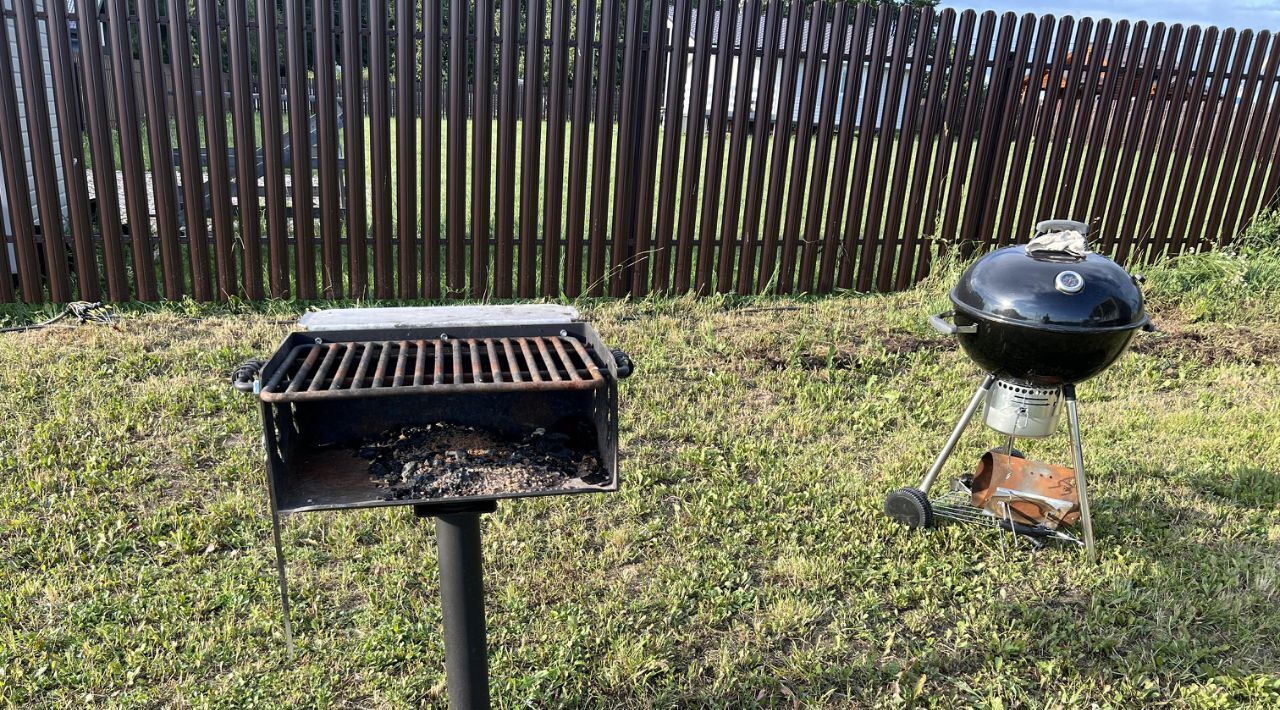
[
  {"x": 514, "y": 373},
  {"x": 337, "y": 370},
  {"x": 329, "y": 392}
]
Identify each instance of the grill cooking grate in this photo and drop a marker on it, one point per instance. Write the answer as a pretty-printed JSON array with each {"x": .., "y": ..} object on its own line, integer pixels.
[{"x": 317, "y": 371}]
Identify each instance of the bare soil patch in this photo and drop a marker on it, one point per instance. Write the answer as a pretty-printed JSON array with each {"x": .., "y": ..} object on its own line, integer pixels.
[
  {"x": 1217, "y": 345},
  {"x": 857, "y": 354}
]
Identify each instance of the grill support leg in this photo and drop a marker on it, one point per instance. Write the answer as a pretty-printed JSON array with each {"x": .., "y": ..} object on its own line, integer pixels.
[
  {"x": 284, "y": 580},
  {"x": 1077, "y": 451},
  {"x": 462, "y": 600},
  {"x": 945, "y": 454}
]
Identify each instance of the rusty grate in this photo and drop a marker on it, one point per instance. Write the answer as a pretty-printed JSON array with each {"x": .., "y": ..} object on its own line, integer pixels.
[{"x": 316, "y": 371}]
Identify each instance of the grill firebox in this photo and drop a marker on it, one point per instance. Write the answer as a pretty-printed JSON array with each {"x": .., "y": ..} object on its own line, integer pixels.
[{"x": 329, "y": 392}]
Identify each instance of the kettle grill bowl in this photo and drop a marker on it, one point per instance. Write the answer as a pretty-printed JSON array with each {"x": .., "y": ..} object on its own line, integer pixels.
[{"x": 1043, "y": 356}]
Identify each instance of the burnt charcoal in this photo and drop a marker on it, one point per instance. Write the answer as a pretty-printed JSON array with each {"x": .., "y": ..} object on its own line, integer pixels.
[
  {"x": 446, "y": 461},
  {"x": 577, "y": 433}
]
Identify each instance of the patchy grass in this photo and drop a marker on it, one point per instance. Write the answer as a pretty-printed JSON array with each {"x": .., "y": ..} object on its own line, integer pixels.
[{"x": 745, "y": 562}]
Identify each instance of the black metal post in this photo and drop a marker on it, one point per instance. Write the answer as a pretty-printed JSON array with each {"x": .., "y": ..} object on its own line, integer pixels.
[{"x": 462, "y": 600}]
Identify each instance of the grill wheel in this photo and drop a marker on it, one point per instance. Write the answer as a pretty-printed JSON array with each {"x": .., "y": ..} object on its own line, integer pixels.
[{"x": 909, "y": 507}]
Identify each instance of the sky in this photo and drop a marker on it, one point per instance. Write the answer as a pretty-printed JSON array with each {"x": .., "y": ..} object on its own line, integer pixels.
[{"x": 1241, "y": 14}]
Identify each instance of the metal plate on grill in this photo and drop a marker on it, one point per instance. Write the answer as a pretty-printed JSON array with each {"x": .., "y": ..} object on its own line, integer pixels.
[
  {"x": 337, "y": 370},
  {"x": 436, "y": 316}
]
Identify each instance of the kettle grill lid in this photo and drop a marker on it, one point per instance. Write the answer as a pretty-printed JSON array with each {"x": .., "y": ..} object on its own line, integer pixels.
[{"x": 1051, "y": 292}]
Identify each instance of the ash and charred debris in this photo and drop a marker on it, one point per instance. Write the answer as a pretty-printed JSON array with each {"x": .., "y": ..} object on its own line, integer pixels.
[{"x": 448, "y": 460}]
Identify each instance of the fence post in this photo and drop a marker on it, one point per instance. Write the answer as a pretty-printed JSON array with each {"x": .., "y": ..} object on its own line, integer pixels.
[
  {"x": 628, "y": 130},
  {"x": 987, "y": 179},
  {"x": 643, "y": 101}
]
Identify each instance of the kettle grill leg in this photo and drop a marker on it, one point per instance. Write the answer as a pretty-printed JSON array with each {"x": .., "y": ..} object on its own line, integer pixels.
[
  {"x": 955, "y": 435},
  {"x": 1086, "y": 520}
]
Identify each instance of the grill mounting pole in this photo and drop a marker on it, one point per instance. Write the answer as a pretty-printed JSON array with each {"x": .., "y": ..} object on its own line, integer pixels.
[{"x": 462, "y": 599}]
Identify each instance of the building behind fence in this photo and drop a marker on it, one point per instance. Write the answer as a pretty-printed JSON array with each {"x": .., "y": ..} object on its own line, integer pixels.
[{"x": 415, "y": 149}]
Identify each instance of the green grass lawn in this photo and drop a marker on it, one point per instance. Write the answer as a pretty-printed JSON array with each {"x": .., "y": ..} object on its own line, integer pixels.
[{"x": 745, "y": 561}]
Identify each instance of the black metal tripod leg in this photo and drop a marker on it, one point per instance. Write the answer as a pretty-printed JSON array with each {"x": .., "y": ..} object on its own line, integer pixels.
[
  {"x": 462, "y": 606},
  {"x": 284, "y": 581},
  {"x": 1077, "y": 451}
]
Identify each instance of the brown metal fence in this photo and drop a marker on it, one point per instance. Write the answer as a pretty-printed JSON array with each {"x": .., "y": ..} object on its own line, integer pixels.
[{"x": 538, "y": 148}]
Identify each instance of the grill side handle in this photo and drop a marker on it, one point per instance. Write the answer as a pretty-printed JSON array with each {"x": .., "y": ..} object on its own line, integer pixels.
[
  {"x": 624, "y": 364},
  {"x": 948, "y": 327},
  {"x": 245, "y": 378},
  {"x": 1139, "y": 280}
]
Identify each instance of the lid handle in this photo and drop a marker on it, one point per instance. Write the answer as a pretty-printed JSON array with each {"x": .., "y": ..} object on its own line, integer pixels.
[
  {"x": 942, "y": 325},
  {"x": 1049, "y": 226}
]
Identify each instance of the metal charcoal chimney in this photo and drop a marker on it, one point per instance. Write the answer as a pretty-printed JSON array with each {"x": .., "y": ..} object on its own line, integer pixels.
[{"x": 446, "y": 409}]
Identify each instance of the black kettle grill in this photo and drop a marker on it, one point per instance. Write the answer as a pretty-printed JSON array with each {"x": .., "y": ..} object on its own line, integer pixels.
[{"x": 1038, "y": 321}]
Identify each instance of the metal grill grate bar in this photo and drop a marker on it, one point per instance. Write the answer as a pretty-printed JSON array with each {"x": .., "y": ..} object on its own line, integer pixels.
[
  {"x": 343, "y": 366},
  {"x": 424, "y": 366},
  {"x": 305, "y": 370},
  {"x": 552, "y": 370},
  {"x": 382, "y": 365},
  {"x": 592, "y": 370},
  {"x": 564, "y": 358},
  {"x": 528, "y": 358},
  {"x": 477, "y": 369},
  {"x": 513, "y": 369},
  {"x": 327, "y": 363},
  {"x": 358, "y": 381},
  {"x": 420, "y": 366},
  {"x": 494, "y": 363}
]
